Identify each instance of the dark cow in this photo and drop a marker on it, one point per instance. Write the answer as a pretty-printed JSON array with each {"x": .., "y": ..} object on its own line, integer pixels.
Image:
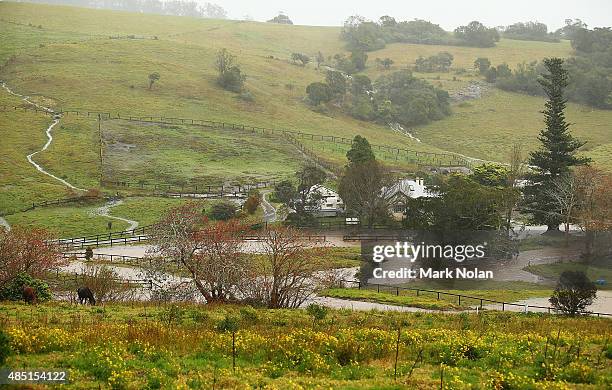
[
  {"x": 29, "y": 295},
  {"x": 85, "y": 295}
]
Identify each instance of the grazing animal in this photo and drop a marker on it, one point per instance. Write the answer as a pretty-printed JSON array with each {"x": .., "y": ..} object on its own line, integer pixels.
[
  {"x": 29, "y": 295},
  {"x": 85, "y": 295}
]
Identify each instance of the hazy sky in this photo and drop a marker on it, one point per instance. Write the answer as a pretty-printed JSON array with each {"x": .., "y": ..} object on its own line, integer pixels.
[{"x": 447, "y": 13}]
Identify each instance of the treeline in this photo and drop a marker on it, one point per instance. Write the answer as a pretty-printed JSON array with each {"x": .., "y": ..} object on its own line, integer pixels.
[
  {"x": 530, "y": 31},
  {"x": 368, "y": 35},
  {"x": 589, "y": 71},
  {"x": 170, "y": 7},
  {"x": 398, "y": 97}
]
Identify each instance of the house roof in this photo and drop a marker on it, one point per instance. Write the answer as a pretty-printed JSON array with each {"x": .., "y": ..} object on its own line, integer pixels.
[{"x": 408, "y": 188}]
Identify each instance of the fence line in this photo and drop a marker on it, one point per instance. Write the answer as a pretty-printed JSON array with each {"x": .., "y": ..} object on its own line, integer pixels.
[
  {"x": 418, "y": 157},
  {"x": 459, "y": 297}
]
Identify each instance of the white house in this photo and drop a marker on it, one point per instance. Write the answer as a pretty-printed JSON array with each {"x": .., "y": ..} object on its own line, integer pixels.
[
  {"x": 331, "y": 204},
  {"x": 398, "y": 193}
]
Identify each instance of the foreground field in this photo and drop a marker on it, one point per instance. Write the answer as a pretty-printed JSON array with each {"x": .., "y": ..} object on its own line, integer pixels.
[{"x": 188, "y": 346}]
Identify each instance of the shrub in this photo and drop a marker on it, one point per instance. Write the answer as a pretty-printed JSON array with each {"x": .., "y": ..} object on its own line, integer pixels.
[
  {"x": 222, "y": 211},
  {"x": 5, "y": 349},
  {"x": 319, "y": 93},
  {"x": 574, "y": 292},
  {"x": 13, "y": 291},
  {"x": 228, "y": 324},
  {"x": 317, "y": 312},
  {"x": 252, "y": 203}
]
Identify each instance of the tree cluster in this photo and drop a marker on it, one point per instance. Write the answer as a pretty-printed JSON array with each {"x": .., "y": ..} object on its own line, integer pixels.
[
  {"x": 281, "y": 18},
  {"x": 440, "y": 62},
  {"x": 529, "y": 31},
  {"x": 398, "y": 97},
  {"x": 303, "y": 198},
  {"x": 366, "y": 35},
  {"x": 588, "y": 71},
  {"x": 284, "y": 275},
  {"x": 476, "y": 34}
]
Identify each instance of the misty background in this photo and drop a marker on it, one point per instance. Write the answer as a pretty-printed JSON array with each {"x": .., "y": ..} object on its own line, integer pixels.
[{"x": 449, "y": 14}]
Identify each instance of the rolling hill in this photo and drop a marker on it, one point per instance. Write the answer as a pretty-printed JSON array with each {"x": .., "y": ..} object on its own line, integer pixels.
[{"x": 98, "y": 60}]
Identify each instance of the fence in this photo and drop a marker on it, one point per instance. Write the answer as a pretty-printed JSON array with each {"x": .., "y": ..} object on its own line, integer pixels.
[
  {"x": 140, "y": 235},
  {"x": 122, "y": 259},
  {"x": 459, "y": 297},
  {"x": 184, "y": 190},
  {"x": 418, "y": 157}
]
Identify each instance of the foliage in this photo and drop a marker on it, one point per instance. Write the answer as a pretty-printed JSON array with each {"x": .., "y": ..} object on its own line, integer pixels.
[
  {"x": 482, "y": 64},
  {"x": 491, "y": 174},
  {"x": 367, "y": 35},
  {"x": 360, "y": 151},
  {"x": 305, "y": 198},
  {"x": 441, "y": 62},
  {"x": 358, "y": 60},
  {"x": 319, "y": 93},
  {"x": 400, "y": 97},
  {"x": 104, "y": 282},
  {"x": 361, "y": 189},
  {"x": 230, "y": 76},
  {"x": 385, "y": 63},
  {"x": 222, "y": 211},
  {"x": 302, "y": 58},
  {"x": 476, "y": 34},
  {"x": 317, "y": 312},
  {"x": 529, "y": 31},
  {"x": 460, "y": 203},
  {"x": 574, "y": 292},
  {"x": 281, "y": 18},
  {"x": 13, "y": 291},
  {"x": 558, "y": 151},
  {"x": 26, "y": 251},
  {"x": 337, "y": 82},
  {"x": 153, "y": 77},
  {"x": 5, "y": 349},
  {"x": 491, "y": 349},
  {"x": 252, "y": 202}
]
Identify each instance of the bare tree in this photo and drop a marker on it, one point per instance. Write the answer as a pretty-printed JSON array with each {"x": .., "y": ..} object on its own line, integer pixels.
[
  {"x": 595, "y": 203},
  {"x": 516, "y": 170},
  {"x": 564, "y": 193},
  {"x": 209, "y": 253},
  {"x": 288, "y": 273}
]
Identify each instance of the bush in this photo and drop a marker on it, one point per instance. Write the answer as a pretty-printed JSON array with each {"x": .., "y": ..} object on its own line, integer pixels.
[
  {"x": 13, "y": 291},
  {"x": 222, "y": 211},
  {"x": 5, "y": 348},
  {"x": 318, "y": 93},
  {"x": 228, "y": 324},
  {"x": 232, "y": 79},
  {"x": 317, "y": 312},
  {"x": 574, "y": 292},
  {"x": 252, "y": 203}
]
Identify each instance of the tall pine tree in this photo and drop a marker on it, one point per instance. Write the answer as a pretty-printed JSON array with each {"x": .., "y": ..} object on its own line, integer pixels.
[{"x": 557, "y": 153}]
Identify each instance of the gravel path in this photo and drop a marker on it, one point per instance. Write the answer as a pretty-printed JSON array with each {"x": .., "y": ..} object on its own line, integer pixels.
[
  {"x": 269, "y": 210},
  {"x": 105, "y": 212},
  {"x": 49, "y": 139}
]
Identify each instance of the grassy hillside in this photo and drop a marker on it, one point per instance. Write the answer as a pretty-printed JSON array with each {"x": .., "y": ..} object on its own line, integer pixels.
[
  {"x": 75, "y": 58},
  {"x": 111, "y": 74},
  {"x": 486, "y": 128}
]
